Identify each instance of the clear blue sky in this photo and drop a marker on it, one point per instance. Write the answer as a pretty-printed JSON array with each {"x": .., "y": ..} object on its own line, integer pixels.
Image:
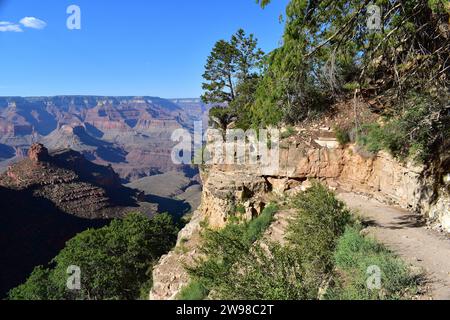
[{"x": 134, "y": 47}]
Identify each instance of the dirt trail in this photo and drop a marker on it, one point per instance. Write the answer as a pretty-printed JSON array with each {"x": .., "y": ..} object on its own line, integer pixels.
[{"x": 403, "y": 233}]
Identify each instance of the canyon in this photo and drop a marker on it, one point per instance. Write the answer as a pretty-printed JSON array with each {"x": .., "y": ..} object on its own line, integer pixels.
[
  {"x": 133, "y": 134},
  {"x": 64, "y": 162},
  {"x": 49, "y": 197}
]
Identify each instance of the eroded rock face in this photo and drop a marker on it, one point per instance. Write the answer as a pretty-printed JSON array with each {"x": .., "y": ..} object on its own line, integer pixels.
[
  {"x": 223, "y": 191},
  {"x": 71, "y": 183},
  {"x": 380, "y": 176},
  {"x": 131, "y": 133},
  {"x": 226, "y": 186},
  {"x": 38, "y": 153}
]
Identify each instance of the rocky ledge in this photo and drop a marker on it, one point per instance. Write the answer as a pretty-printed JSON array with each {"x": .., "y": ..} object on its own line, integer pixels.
[{"x": 245, "y": 190}]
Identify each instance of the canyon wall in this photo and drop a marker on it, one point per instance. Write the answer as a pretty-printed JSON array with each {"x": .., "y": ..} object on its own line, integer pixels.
[{"x": 380, "y": 176}]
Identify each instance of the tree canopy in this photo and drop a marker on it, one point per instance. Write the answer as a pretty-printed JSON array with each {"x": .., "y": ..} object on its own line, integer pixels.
[
  {"x": 230, "y": 74},
  {"x": 115, "y": 262}
]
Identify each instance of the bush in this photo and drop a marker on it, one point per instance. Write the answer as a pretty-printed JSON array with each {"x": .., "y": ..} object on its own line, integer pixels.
[
  {"x": 222, "y": 249},
  {"x": 342, "y": 136},
  {"x": 415, "y": 133},
  {"x": 193, "y": 291},
  {"x": 354, "y": 255},
  {"x": 320, "y": 221},
  {"x": 323, "y": 244},
  {"x": 115, "y": 261},
  {"x": 268, "y": 272},
  {"x": 290, "y": 131},
  {"x": 256, "y": 227}
]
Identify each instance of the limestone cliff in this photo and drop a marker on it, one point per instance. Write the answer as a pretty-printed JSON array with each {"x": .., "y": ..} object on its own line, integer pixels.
[{"x": 346, "y": 169}]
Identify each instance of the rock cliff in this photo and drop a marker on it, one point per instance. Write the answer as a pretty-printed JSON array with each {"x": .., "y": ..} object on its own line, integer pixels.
[
  {"x": 72, "y": 183},
  {"x": 346, "y": 169}
]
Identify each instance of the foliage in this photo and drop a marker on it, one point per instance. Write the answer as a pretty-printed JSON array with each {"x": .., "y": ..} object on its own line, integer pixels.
[
  {"x": 342, "y": 136},
  {"x": 328, "y": 47},
  {"x": 320, "y": 221},
  {"x": 231, "y": 73},
  {"x": 115, "y": 261},
  {"x": 416, "y": 132},
  {"x": 222, "y": 249},
  {"x": 270, "y": 272},
  {"x": 240, "y": 208},
  {"x": 354, "y": 255},
  {"x": 256, "y": 227},
  {"x": 324, "y": 251},
  {"x": 37, "y": 286},
  {"x": 329, "y": 52},
  {"x": 294, "y": 271},
  {"x": 290, "y": 131},
  {"x": 193, "y": 291},
  {"x": 372, "y": 137}
]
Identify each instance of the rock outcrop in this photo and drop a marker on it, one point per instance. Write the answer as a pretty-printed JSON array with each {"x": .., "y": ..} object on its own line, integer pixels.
[
  {"x": 38, "y": 153},
  {"x": 73, "y": 184},
  {"x": 380, "y": 176}
]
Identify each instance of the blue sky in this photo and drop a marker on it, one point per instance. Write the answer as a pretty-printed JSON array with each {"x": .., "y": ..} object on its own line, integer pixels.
[{"x": 134, "y": 47}]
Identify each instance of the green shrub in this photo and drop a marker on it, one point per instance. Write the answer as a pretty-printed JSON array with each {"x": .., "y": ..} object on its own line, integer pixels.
[
  {"x": 115, "y": 261},
  {"x": 269, "y": 272},
  {"x": 240, "y": 208},
  {"x": 193, "y": 291},
  {"x": 342, "y": 136},
  {"x": 256, "y": 227},
  {"x": 354, "y": 255},
  {"x": 223, "y": 248},
  {"x": 415, "y": 133},
  {"x": 320, "y": 221},
  {"x": 290, "y": 131},
  {"x": 372, "y": 137},
  {"x": 323, "y": 244}
]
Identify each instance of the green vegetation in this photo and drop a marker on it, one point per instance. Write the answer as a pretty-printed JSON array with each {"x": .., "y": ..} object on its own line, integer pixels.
[
  {"x": 419, "y": 130},
  {"x": 342, "y": 136},
  {"x": 240, "y": 208},
  {"x": 314, "y": 232},
  {"x": 330, "y": 54},
  {"x": 290, "y": 131},
  {"x": 354, "y": 256},
  {"x": 231, "y": 74},
  {"x": 193, "y": 291},
  {"x": 115, "y": 262},
  {"x": 222, "y": 249},
  {"x": 325, "y": 257}
]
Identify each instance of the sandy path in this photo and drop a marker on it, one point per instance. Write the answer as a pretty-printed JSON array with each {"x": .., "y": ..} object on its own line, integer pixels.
[{"x": 403, "y": 233}]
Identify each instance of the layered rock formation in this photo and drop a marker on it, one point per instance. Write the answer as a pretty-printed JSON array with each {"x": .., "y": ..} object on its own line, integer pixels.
[
  {"x": 379, "y": 176},
  {"x": 131, "y": 133},
  {"x": 73, "y": 184}
]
